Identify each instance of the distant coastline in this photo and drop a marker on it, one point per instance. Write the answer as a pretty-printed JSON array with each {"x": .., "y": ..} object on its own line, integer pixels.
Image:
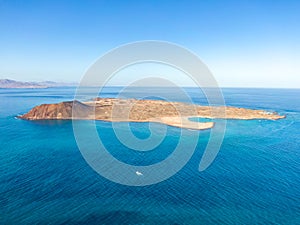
[{"x": 8, "y": 83}]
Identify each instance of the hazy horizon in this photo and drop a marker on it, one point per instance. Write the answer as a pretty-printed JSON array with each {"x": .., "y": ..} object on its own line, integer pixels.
[{"x": 74, "y": 84}]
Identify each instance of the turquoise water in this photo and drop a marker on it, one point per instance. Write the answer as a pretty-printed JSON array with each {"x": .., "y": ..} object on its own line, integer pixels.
[{"x": 255, "y": 178}]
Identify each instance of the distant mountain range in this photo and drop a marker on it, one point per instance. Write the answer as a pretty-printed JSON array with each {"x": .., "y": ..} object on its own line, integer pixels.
[{"x": 7, "y": 83}]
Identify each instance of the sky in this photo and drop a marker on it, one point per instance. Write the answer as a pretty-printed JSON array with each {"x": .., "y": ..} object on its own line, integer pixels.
[{"x": 244, "y": 43}]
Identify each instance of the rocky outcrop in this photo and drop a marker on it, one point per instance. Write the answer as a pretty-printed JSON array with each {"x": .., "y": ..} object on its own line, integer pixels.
[{"x": 57, "y": 111}]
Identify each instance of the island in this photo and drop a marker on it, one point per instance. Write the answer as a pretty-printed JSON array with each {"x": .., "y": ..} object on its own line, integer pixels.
[{"x": 175, "y": 114}]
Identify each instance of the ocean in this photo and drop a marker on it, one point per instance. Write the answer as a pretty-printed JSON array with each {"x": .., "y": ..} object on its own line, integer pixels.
[{"x": 255, "y": 178}]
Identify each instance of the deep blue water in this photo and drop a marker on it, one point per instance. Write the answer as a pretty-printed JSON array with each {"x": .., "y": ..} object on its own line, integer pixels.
[{"x": 255, "y": 178}]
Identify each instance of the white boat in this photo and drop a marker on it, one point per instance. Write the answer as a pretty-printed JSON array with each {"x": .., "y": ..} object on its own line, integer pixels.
[{"x": 138, "y": 173}]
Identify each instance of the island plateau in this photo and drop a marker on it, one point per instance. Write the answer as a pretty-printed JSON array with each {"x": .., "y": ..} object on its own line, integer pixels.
[{"x": 176, "y": 114}]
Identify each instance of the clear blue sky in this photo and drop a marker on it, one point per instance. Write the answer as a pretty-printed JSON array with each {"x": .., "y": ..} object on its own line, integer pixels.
[{"x": 244, "y": 43}]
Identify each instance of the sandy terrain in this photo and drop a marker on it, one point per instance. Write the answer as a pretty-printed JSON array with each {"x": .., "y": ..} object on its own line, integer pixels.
[{"x": 169, "y": 113}]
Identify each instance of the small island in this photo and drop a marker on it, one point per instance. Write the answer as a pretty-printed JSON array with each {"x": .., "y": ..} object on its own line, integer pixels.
[{"x": 175, "y": 114}]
